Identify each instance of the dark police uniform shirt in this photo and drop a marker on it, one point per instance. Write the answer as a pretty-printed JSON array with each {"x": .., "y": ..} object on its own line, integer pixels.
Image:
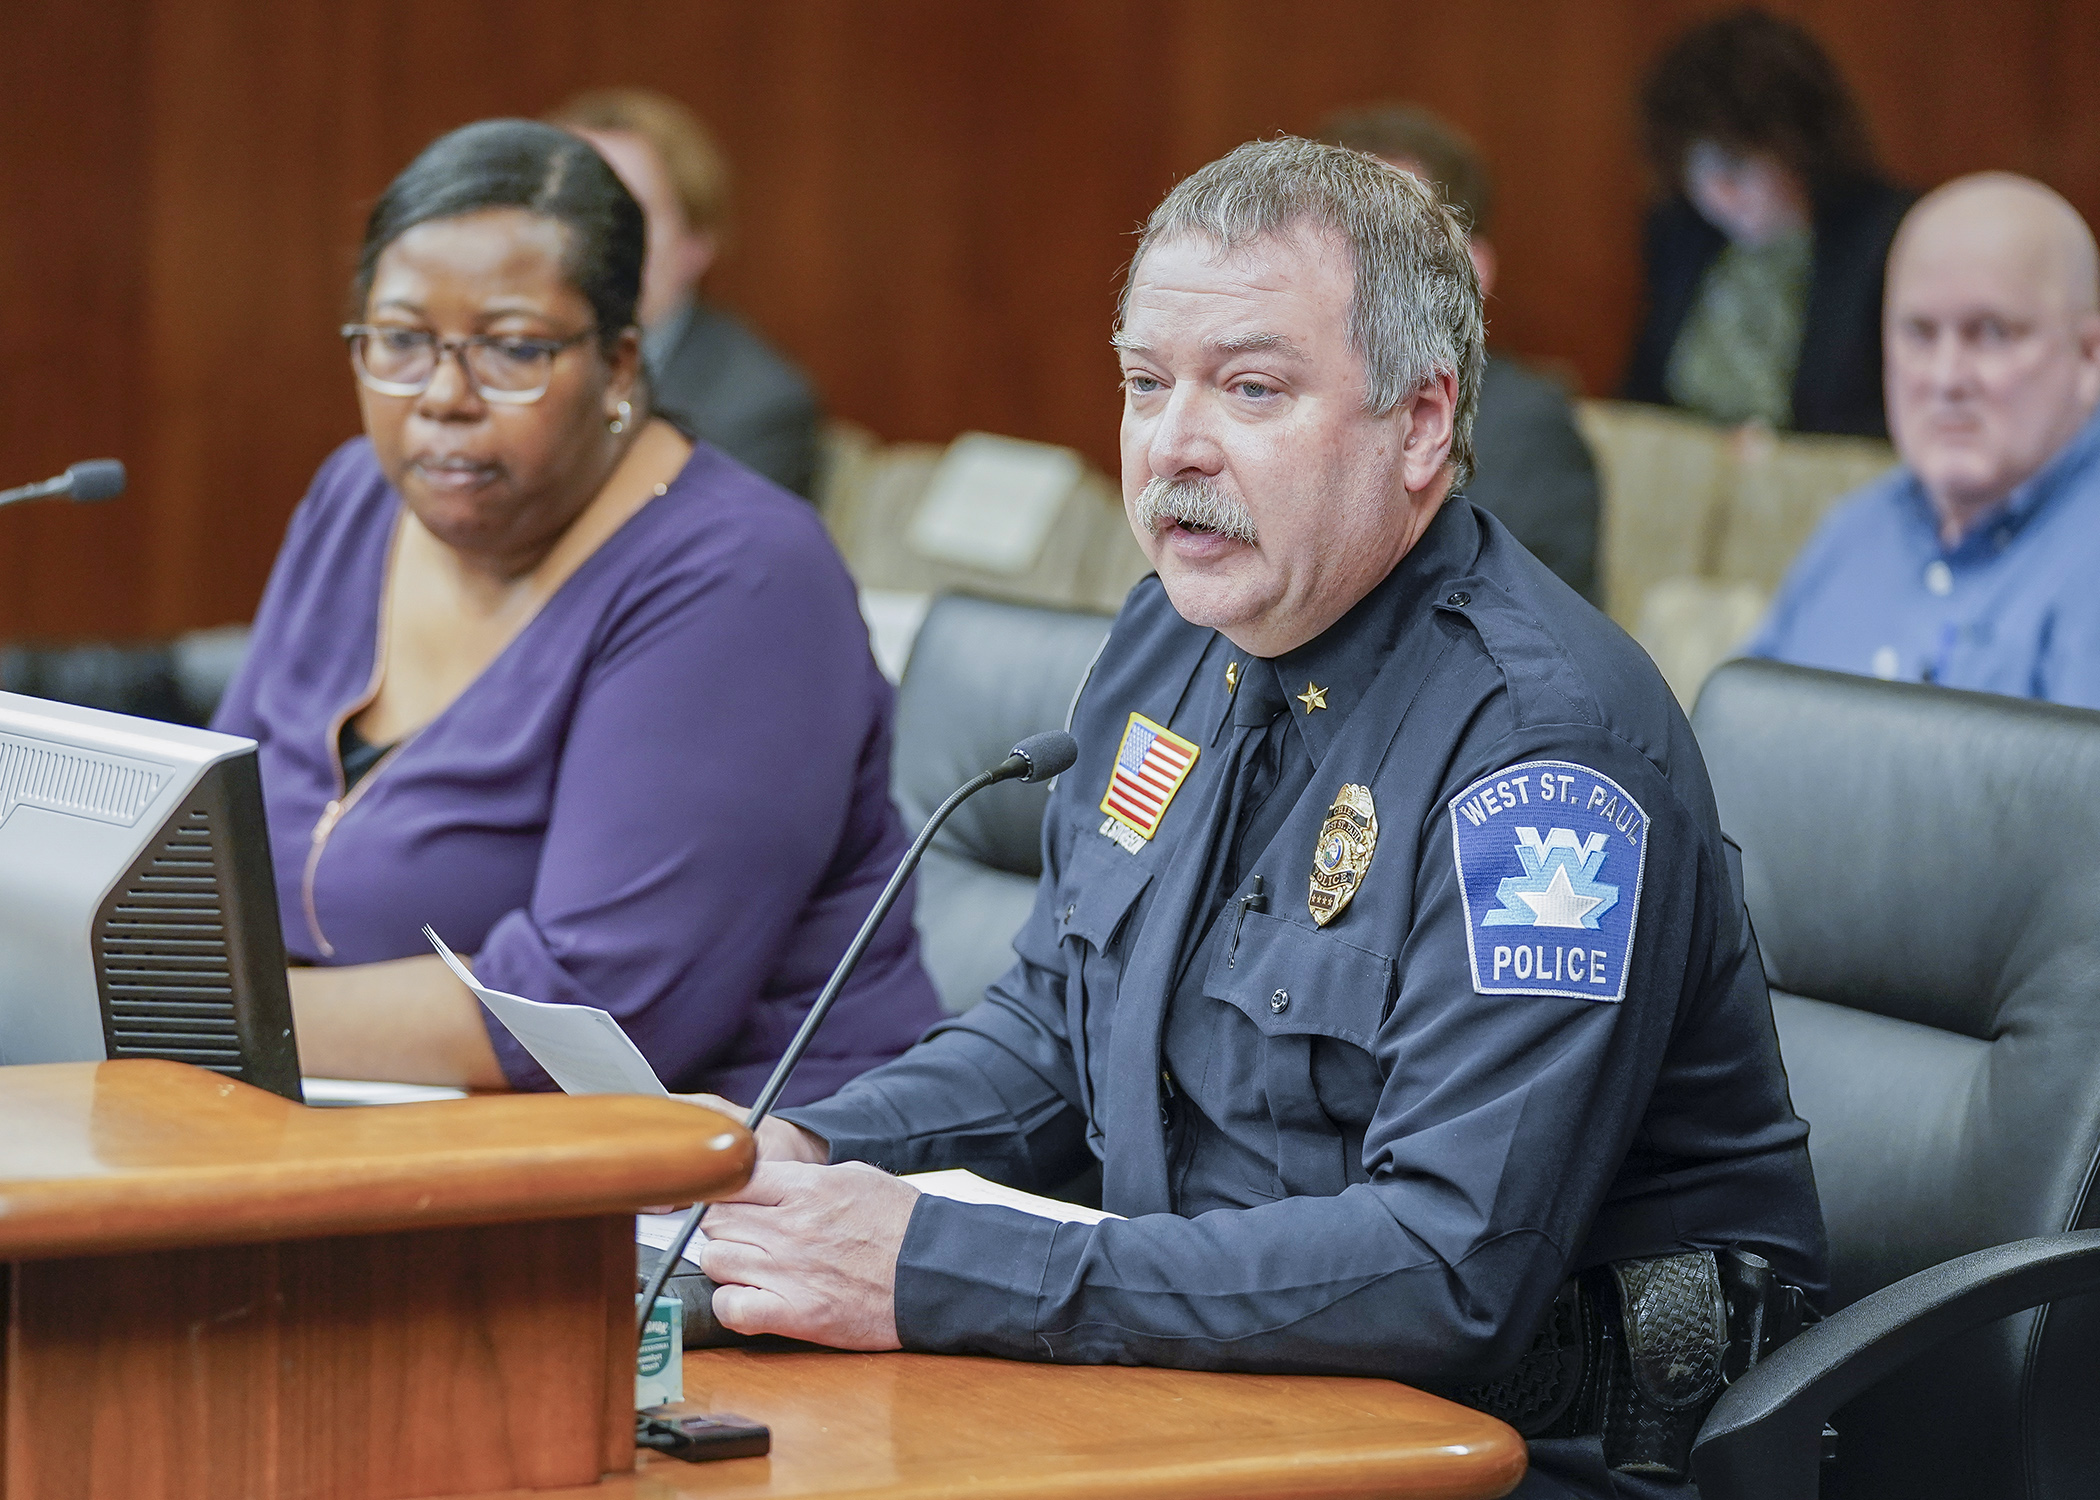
[{"x": 1376, "y": 1146}]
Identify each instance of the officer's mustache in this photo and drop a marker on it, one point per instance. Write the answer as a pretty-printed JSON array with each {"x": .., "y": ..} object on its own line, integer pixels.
[{"x": 1198, "y": 504}]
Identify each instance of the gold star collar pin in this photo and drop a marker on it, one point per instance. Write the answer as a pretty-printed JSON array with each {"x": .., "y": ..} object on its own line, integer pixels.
[
  {"x": 1313, "y": 697},
  {"x": 1232, "y": 678}
]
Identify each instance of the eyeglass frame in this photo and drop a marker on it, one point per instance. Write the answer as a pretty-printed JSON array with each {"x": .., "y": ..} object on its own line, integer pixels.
[{"x": 442, "y": 348}]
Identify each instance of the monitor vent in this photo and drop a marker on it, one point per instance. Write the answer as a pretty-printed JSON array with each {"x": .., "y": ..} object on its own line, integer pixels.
[
  {"x": 161, "y": 949},
  {"x": 71, "y": 781}
]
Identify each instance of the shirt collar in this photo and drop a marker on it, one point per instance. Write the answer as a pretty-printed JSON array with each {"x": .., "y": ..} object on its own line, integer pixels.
[
  {"x": 2027, "y": 499},
  {"x": 1322, "y": 681}
]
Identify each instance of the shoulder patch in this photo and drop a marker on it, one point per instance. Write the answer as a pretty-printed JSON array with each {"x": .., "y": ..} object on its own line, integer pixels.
[{"x": 1550, "y": 856}]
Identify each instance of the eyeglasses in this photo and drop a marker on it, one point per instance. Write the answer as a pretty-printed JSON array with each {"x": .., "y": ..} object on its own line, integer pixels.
[{"x": 502, "y": 368}]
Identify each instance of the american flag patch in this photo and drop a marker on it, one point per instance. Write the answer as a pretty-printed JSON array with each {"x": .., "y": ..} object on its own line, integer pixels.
[{"x": 1150, "y": 768}]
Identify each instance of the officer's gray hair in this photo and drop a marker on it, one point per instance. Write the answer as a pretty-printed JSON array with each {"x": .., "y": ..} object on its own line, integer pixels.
[{"x": 1415, "y": 313}]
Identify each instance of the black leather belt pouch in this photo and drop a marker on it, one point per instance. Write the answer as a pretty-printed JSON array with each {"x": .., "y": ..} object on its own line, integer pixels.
[
  {"x": 1669, "y": 1323},
  {"x": 1638, "y": 1351},
  {"x": 1549, "y": 1392}
]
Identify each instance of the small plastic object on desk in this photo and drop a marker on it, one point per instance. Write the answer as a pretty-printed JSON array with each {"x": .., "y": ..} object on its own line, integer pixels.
[
  {"x": 659, "y": 1365},
  {"x": 698, "y": 1437}
]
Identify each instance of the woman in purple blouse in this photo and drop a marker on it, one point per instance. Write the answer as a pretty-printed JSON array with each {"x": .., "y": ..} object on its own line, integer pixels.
[{"x": 592, "y": 700}]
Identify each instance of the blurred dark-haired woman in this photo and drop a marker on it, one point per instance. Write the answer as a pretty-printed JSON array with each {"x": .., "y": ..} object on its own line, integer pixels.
[
  {"x": 592, "y": 699},
  {"x": 1765, "y": 256}
]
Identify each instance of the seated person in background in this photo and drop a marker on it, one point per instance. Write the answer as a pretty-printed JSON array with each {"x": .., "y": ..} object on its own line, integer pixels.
[
  {"x": 1403, "y": 979},
  {"x": 1973, "y": 565},
  {"x": 593, "y": 701},
  {"x": 1764, "y": 261},
  {"x": 1534, "y": 471},
  {"x": 708, "y": 374}
]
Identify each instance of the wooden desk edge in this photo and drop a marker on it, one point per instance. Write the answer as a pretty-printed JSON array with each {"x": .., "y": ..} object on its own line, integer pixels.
[
  {"x": 264, "y": 1187},
  {"x": 1369, "y": 1470},
  {"x": 1429, "y": 1448}
]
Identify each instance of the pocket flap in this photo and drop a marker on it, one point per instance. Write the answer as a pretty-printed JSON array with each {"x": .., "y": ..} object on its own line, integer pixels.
[
  {"x": 1098, "y": 893},
  {"x": 1294, "y": 980}
]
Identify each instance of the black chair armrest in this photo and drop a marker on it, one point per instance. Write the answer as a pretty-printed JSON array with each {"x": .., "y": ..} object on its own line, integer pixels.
[{"x": 1763, "y": 1439}]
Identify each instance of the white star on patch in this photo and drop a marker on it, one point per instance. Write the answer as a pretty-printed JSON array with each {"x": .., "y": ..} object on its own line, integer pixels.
[{"x": 1558, "y": 905}]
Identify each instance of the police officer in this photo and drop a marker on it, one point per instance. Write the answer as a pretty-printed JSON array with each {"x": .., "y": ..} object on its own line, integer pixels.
[{"x": 1386, "y": 955}]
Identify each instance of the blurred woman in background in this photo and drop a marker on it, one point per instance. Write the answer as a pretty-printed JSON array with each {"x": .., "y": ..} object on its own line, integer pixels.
[
  {"x": 593, "y": 700},
  {"x": 1764, "y": 259}
]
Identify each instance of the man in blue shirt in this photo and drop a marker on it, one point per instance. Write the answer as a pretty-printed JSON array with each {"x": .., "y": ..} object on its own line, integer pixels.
[{"x": 1974, "y": 564}]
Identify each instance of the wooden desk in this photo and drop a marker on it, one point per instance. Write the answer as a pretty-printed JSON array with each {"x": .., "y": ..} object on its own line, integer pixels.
[
  {"x": 926, "y": 1427},
  {"x": 213, "y": 1292}
]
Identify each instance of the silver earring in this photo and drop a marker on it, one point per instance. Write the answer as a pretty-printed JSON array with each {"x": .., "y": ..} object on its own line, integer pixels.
[{"x": 619, "y": 423}]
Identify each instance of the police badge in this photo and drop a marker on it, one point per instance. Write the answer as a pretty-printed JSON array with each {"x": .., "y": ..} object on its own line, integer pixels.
[{"x": 1348, "y": 839}]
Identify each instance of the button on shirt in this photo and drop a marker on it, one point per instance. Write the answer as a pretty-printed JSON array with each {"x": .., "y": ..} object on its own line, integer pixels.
[
  {"x": 2010, "y": 608},
  {"x": 1223, "y": 1142}
]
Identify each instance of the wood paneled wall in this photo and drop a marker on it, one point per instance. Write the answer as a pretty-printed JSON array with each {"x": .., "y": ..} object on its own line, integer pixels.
[{"x": 937, "y": 196}]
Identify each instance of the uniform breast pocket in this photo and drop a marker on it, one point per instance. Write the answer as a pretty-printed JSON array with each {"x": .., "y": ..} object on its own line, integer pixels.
[
  {"x": 1098, "y": 890},
  {"x": 1317, "y": 1003},
  {"x": 1096, "y": 897}
]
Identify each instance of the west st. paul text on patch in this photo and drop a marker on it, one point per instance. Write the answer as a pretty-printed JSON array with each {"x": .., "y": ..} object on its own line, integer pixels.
[{"x": 1550, "y": 856}]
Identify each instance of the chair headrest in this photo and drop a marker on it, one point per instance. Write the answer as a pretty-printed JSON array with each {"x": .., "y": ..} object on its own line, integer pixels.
[
  {"x": 982, "y": 676},
  {"x": 1918, "y": 852}
]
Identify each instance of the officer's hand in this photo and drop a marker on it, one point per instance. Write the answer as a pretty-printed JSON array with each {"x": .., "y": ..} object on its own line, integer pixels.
[
  {"x": 810, "y": 1252},
  {"x": 778, "y": 1140}
]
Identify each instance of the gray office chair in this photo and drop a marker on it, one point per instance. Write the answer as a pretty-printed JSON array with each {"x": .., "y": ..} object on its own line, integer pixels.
[
  {"x": 1923, "y": 870},
  {"x": 981, "y": 676}
]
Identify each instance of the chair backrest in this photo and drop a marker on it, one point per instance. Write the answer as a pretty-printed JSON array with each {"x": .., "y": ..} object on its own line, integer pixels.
[
  {"x": 1665, "y": 491},
  {"x": 870, "y": 495},
  {"x": 1920, "y": 866},
  {"x": 1701, "y": 522},
  {"x": 982, "y": 675},
  {"x": 1784, "y": 485}
]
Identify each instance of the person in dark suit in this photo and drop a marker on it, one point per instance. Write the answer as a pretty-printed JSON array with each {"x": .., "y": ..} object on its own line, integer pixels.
[
  {"x": 709, "y": 374},
  {"x": 1534, "y": 471},
  {"x": 1764, "y": 260}
]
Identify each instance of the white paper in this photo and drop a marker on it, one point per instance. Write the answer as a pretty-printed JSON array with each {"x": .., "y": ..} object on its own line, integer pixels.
[
  {"x": 582, "y": 1048},
  {"x": 330, "y": 1093},
  {"x": 992, "y": 501},
  {"x": 658, "y": 1230}
]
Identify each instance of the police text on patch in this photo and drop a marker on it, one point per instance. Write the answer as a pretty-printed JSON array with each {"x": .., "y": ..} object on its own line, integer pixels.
[{"x": 1550, "y": 856}]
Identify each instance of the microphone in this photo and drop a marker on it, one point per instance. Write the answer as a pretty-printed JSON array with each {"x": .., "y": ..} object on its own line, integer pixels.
[
  {"x": 94, "y": 479},
  {"x": 1037, "y": 758}
]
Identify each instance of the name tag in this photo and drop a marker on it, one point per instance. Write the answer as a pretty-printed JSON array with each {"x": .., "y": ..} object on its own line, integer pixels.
[{"x": 1129, "y": 841}]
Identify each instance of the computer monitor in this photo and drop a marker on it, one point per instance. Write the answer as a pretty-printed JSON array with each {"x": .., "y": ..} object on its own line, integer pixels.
[{"x": 138, "y": 908}]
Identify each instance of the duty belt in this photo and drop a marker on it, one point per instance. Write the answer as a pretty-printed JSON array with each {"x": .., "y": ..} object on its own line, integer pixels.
[{"x": 1637, "y": 1352}]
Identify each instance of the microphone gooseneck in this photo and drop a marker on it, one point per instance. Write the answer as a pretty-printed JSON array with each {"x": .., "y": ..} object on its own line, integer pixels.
[{"x": 1035, "y": 759}]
